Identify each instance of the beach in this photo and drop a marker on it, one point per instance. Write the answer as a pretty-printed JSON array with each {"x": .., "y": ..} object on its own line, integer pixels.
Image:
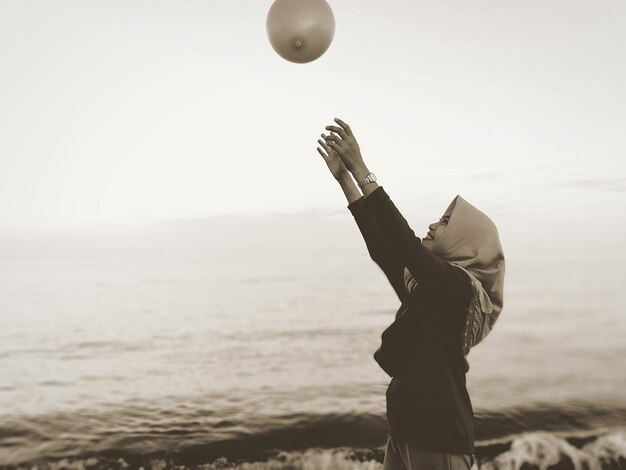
[{"x": 258, "y": 363}]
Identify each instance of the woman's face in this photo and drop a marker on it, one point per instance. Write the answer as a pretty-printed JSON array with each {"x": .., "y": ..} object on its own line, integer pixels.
[{"x": 437, "y": 228}]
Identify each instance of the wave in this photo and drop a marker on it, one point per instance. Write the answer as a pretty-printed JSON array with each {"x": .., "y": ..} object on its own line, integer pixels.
[
  {"x": 579, "y": 437},
  {"x": 544, "y": 450},
  {"x": 526, "y": 452}
]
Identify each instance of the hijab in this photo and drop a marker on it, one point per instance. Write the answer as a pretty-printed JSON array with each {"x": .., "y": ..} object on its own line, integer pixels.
[{"x": 471, "y": 242}]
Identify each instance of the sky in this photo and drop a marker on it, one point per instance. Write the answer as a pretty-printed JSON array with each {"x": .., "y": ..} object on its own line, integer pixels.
[{"x": 126, "y": 111}]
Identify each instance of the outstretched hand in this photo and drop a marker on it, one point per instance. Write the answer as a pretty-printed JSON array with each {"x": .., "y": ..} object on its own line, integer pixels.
[
  {"x": 343, "y": 142},
  {"x": 335, "y": 165}
]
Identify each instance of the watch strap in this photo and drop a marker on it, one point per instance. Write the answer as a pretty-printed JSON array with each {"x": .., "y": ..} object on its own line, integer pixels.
[{"x": 370, "y": 178}]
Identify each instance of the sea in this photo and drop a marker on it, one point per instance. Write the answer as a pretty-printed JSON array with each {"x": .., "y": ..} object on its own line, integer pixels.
[{"x": 267, "y": 363}]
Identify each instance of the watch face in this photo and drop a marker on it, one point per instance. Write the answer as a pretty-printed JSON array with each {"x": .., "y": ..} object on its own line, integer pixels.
[{"x": 372, "y": 176}]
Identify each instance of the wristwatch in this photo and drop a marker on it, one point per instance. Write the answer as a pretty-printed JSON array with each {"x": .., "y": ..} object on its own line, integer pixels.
[{"x": 370, "y": 178}]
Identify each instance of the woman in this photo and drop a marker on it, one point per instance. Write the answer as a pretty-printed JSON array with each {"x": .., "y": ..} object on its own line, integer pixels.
[{"x": 450, "y": 285}]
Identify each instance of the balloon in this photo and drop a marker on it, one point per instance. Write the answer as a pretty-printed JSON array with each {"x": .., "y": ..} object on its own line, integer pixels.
[{"x": 300, "y": 30}]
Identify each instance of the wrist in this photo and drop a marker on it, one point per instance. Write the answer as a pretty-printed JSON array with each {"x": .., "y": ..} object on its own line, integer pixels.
[
  {"x": 360, "y": 171},
  {"x": 349, "y": 188},
  {"x": 345, "y": 177}
]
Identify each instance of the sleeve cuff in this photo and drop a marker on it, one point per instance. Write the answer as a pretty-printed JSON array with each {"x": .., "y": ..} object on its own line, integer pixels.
[
  {"x": 375, "y": 198},
  {"x": 356, "y": 205}
]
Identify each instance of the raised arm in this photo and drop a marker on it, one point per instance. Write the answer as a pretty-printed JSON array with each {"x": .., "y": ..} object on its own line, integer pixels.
[
  {"x": 377, "y": 246},
  {"x": 379, "y": 250},
  {"x": 436, "y": 276}
]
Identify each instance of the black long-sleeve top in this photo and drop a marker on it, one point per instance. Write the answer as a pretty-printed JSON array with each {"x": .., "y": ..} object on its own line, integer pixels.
[{"x": 427, "y": 400}]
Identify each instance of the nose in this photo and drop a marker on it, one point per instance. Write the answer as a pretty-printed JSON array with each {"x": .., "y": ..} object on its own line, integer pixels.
[{"x": 433, "y": 226}]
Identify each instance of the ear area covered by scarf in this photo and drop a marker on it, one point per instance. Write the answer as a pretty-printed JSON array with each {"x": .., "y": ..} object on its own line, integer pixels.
[{"x": 480, "y": 315}]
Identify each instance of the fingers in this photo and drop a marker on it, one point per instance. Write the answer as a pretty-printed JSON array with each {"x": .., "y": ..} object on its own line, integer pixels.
[
  {"x": 332, "y": 138},
  {"x": 333, "y": 145},
  {"x": 324, "y": 156},
  {"x": 328, "y": 156},
  {"x": 338, "y": 130},
  {"x": 325, "y": 145},
  {"x": 345, "y": 127}
]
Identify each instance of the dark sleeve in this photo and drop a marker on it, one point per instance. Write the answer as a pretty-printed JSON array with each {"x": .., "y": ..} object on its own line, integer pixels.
[
  {"x": 378, "y": 248},
  {"x": 436, "y": 276}
]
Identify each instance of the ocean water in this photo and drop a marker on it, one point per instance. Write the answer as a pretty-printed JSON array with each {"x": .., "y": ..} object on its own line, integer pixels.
[{"x": 267, "y": 363}]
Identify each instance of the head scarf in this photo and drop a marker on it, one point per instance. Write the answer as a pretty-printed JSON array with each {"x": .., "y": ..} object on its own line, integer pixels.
[{"x": 470, "y": 241}]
